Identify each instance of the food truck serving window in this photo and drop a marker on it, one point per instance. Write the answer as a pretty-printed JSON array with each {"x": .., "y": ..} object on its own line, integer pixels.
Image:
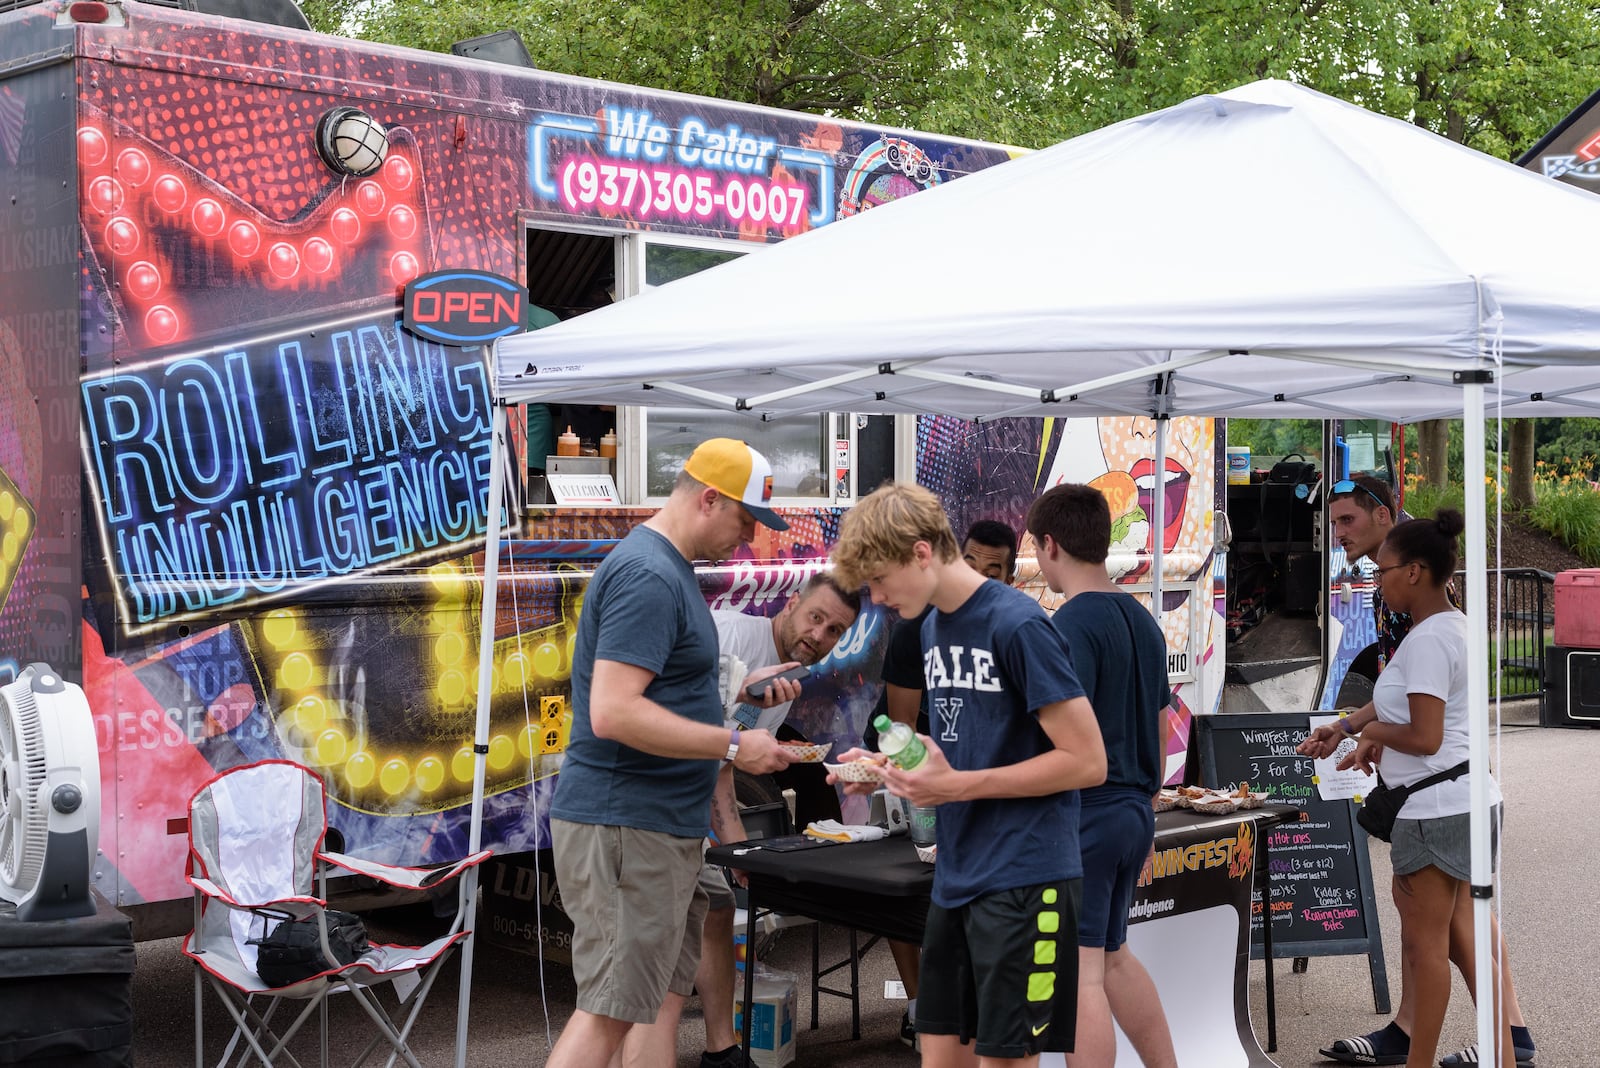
[
  {"x": 666, "y": 263},
  {"x": 800, "y": 449}
]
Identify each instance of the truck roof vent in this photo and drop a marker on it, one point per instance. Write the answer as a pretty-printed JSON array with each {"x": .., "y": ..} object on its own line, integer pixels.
[{"x": 284, "y": 13}]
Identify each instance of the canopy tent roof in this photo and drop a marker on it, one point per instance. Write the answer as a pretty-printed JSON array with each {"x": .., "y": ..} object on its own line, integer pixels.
[{"x": 1282, "y": 253}]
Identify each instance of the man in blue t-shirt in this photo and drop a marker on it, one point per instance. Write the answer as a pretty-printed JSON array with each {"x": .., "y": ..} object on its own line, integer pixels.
[
  {"x": 1013, "y": 740},
  {"x": 633, "y": 801},
  {"x": 1121, "y": 659}
]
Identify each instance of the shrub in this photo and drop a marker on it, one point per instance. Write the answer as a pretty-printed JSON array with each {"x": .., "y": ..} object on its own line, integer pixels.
[{"x": 1568, "y": 508}]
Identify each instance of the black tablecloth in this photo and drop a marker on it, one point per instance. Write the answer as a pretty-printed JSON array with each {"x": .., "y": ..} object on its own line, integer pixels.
[
  {"x": 879, "y": 887},
  {"x": 66, "y": 988}
]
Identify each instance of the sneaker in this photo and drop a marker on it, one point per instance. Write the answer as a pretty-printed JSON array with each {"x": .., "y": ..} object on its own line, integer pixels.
[
  {"x": 908, "y": 1030},
  {"x": 732, "y": 1057},
  {"x": 1470, "y": 1056}
]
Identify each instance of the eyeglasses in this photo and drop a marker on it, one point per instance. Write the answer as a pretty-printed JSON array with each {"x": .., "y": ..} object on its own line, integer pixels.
[
  {"x": 1379, "y": 571},
  {"x": 1346, "y": 485}
]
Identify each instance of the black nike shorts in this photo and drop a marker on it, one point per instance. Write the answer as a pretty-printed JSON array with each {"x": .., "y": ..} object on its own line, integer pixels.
[{"x": 1003, "y": 970}]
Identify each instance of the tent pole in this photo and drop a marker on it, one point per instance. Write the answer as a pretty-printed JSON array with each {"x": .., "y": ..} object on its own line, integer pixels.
[
  {"x": 480, "y": 736},
  {"x": 1158, "y": 520},
  {"x": 1489, "y": 981}
]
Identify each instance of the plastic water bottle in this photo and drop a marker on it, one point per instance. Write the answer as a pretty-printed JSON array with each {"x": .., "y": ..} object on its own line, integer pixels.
[{"x": 899, "y": 743}]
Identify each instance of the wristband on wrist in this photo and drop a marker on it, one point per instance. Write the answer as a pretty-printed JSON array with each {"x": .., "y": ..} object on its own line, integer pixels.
[
  {"x": 1348, "y": 726},
  {"x": 733, "y": 746}
]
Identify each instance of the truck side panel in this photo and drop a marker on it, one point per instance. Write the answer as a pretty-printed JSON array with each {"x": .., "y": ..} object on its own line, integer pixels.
[{"x": 40, "y": 505}]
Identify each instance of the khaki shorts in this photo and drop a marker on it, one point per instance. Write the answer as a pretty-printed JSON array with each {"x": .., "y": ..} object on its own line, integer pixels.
[
  {"x": 714, "y": 881},
  {"x": 637, "y": 912}
]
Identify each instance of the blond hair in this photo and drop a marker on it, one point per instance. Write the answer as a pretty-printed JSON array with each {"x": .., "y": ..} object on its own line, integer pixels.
[{"x": 884, "y": 528}]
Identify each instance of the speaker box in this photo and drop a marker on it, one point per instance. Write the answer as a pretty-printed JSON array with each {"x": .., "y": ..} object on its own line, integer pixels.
[{"x": 1571, "y": 688}]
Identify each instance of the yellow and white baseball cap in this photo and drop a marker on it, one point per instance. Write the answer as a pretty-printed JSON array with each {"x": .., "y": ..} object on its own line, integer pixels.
[{"x": 735, "y": 470}]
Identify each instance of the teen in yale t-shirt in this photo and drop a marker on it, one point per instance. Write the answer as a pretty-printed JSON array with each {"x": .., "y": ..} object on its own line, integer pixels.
[{"x": 988, "y": 667}]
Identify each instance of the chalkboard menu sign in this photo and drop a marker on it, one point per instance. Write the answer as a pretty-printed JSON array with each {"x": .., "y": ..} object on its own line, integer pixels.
[{"x": 1321, "y": 898}]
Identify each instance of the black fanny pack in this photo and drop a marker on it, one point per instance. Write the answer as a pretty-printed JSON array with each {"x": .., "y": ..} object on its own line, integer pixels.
[{"x": 1381, "y": 807}]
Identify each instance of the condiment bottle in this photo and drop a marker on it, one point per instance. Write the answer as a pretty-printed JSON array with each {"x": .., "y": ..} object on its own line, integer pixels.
[
  {"x": 608, "y": 443},
  {"x": 567, "y": 444}
]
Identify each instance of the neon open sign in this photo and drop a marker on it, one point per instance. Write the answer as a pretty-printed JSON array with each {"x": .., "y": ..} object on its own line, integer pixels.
[{"x": 459, "y": 307}]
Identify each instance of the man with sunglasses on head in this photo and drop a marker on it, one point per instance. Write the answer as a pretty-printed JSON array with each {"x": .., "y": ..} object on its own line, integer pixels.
[{"x": 1362, "y": 512}]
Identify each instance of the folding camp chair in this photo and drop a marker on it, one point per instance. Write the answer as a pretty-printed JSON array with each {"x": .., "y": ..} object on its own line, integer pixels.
[{"x": 255, "y": 857}]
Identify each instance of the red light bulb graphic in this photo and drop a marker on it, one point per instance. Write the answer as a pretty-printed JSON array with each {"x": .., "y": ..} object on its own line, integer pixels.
[
  {"x": 244, "y": 239},
  {"x": 122, "y": 235},
  {"x": 133, "y": 166},
  {"x": 143, "y": 281},
  {"x": 161, "y": 323},
  {"x": 170, "y": 194},
  {"x": 209, "y": 218},
  {"x": 92, "y": 146}
]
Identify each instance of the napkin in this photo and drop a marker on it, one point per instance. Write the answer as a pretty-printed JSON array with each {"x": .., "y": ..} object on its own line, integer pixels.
[
  {"x": 731, "y": 672},
  {"x": 834, "y": 831}
]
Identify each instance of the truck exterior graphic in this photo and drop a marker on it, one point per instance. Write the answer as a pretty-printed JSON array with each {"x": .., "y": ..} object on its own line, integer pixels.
[{"x": 245, "y": 507}]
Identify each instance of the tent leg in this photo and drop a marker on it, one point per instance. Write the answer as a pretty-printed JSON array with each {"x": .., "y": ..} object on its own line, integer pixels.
[
  {"x": 1490, "y": 983},
  {"x": 498, "y": 472}
]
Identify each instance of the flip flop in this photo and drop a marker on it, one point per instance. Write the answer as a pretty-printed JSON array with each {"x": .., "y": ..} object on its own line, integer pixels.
[
  {"x": 1361, "y": 1050},
  {"x": 1469, "y": 1055}
]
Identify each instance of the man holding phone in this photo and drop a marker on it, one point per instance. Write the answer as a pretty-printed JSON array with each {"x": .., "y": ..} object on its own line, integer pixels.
[{"x": 803, "y": 633}]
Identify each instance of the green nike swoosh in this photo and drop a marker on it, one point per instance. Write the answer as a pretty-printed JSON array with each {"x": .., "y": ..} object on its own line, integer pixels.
[{"x": 1037, "y": 1031}]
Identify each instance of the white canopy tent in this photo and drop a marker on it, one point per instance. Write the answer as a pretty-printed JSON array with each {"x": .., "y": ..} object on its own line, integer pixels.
[{"x": 1268, "y": 252}]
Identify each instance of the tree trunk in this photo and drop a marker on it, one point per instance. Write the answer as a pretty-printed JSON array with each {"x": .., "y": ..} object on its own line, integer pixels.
[
  {"x": 1519, "y": 490},
  {"x": 1433, "y": 443}
]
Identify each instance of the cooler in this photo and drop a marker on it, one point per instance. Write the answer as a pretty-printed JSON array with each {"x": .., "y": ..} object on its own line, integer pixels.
[
  {"x": 1577, "y": 608},
  {"x": 67, "y": 990}
]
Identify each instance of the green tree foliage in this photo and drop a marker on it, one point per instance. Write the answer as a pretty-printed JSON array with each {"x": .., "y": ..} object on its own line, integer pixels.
[
  {"x": 1569, "y": 446},
  {"x": 1031, "y": 72},
  {"x": 1489, "y": 73},
  {"x": 1273, "y": 439}
]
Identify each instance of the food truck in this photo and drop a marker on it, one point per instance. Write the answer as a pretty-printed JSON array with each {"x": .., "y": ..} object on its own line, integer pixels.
[{"x": 248, "y": 275}]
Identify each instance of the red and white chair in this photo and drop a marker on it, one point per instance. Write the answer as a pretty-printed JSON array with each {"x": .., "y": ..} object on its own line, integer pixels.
[{"x": 256, "y": 834}]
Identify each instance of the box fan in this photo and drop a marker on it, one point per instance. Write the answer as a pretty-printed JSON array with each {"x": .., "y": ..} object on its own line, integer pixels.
[{"x": 49, "y": 796}]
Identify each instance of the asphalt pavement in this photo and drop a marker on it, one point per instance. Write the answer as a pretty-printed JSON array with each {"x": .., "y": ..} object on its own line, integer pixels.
[{"x": 1546, "y": 897}]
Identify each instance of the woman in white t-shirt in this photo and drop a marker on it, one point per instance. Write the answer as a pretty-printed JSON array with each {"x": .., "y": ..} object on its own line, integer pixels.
[{"x": 1421, "y": 729}]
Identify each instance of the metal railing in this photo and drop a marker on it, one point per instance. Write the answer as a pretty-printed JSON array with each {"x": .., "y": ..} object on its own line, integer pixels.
[{"x": 1522, "y": 611}]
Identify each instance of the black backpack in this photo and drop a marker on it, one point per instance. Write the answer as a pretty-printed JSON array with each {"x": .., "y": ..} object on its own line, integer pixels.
[{"x": 292, "y": 950}]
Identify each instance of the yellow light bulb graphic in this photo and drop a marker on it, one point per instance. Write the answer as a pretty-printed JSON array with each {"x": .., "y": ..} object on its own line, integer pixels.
[
  {"x": 461, "y": 764},
  {"x": 295, "y": 672},
  {"x": 331, "y": 747},
  {"x": 279, "y": 628},
  {"x": 394, "y": 776},
  {"x": 360, "y": 769},
  {"x": 430, "y": 773}
]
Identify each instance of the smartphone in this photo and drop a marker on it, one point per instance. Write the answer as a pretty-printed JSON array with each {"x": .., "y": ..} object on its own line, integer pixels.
[{"x": 757, "y": 691}]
